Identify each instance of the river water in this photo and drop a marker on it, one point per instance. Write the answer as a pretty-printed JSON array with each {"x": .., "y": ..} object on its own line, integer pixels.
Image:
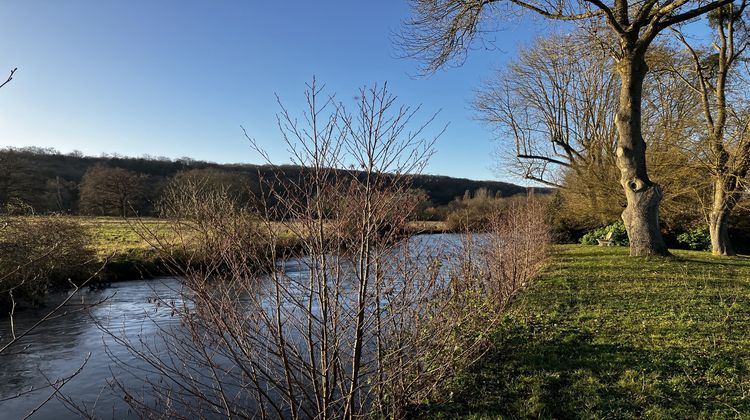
[{"x": 59, "y": 348}]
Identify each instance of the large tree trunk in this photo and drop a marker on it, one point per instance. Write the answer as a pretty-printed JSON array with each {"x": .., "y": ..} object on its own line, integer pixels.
[
  {"x": 641, "y": 216},
  {"x": 719, "y": 219}
]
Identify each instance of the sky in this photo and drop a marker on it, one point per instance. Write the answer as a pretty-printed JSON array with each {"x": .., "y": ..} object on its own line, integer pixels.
[{"x": 178, "y": 78}]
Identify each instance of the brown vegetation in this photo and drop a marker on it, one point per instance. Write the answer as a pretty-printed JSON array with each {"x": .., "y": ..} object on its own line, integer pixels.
[{"x": 362, "y": 323}]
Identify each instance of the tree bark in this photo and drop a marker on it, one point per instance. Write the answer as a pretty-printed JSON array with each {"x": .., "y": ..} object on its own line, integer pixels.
[
  {"x": 641, "y": 216},
  {"x": 719, "y": 220}
]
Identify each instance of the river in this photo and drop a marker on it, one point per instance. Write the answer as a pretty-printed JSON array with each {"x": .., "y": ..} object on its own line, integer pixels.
[{"x": 58, "y": 348}]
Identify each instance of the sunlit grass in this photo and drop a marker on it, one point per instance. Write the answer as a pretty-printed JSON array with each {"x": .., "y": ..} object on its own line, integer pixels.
[
  {"x": 602, "y": 335},
  {"x": 111, "y": 236},
  {"x": 119, "y": 236}
]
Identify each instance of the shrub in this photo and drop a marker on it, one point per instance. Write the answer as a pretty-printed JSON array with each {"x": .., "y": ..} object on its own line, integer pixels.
[
  {"x": 697, "y": 239},
  {"x": 619, "y": 234},
  {"x": 39, "y": 252},
  {"x": 362, "y": 326},
  {"x": 473, "y": 212}
]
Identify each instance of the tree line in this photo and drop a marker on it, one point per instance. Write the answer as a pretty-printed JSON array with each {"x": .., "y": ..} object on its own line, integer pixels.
[{"x": 42, "y": 180}]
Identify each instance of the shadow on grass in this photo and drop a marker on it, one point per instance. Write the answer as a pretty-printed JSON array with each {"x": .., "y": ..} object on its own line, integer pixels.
[
  {"x": 534, "y": 371},
  {"x": 736, "y": 261}
]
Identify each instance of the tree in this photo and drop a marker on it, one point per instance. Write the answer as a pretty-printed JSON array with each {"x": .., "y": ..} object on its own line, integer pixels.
[
  {"x": 441, "y": 31},
  {"x": 20, "y": 180},
  {"x": 557, "y": 105},
  {"x": 717, "y": 80},
  {"x": 60, "y": 195},
  {"x": 109, "y": 191},
  {"x": 239, "y": 185}
]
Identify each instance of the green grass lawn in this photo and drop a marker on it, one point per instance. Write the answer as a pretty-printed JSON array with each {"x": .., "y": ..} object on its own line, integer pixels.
[{"x": 602, "y": 335}]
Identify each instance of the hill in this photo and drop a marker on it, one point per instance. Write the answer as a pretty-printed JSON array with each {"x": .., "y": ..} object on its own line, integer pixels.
[{"x": 49, "y": 181}]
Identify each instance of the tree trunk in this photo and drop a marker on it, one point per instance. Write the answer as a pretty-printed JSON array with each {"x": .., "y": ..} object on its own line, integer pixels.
[
  {"x": 719, "y": 220},
  {"x": 641, "y": 216}
]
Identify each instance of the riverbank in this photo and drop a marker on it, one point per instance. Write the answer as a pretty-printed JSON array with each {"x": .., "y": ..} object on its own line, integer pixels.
[
  {"x": 601, "y": 335},
  {"x": 126, "y": 250}
]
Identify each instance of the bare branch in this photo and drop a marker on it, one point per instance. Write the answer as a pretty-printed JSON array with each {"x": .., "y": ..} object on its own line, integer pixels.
[{"x": 10, "y": 77}]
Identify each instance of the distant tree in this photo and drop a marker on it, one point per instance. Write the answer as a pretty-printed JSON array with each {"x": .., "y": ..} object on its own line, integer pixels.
[
  {"x": 206, "y": 182},
  {"x": 60, "y": 195},
  {"x": 31, "y": 175},
  {"x": 441, "y": 31},
  {"x": 722, "y": 84},
  {"x": 20, "y": 181},
  {"x": 107, "y": 191}
]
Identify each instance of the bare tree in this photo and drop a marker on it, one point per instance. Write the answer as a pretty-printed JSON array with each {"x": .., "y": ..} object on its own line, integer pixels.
[
  {"x": 362, "y": 322},
  {"x": 718, "y": 79},
  {"x": 107, "y": 191},
  {"x": 441, "y": 31},
  {"x": 556, "y": 103}
]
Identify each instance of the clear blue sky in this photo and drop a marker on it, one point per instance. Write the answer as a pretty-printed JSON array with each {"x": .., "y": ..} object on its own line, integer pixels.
[{"x": 178, "y": 78}]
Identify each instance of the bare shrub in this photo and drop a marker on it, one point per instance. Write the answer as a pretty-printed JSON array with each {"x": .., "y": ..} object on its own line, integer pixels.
[
  {"x": 362, "y": 323},
  {"x": 518, "y": 247},
  {"x": 37, "y": 252},
  {"x": 208, "y": 226}
]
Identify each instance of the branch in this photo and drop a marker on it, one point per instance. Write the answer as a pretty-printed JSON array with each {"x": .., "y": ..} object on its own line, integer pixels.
[
  {"x": 543, "y": 181},
  {"x": 544, "y": 158},
  {"x": 691, "y": 13},
  {"x": 10, "y": 77},
  {"x": 558, "y": 15},
  {"x": 610, "y": 15}
]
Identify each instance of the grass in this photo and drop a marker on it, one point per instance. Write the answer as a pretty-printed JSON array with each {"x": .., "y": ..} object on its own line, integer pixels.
[
  {"x": 127, "y": 244},
  {"x": 118, "y": 236},
  {"x": 602, "y": 335},
  {"x": 113, "y": 236}
]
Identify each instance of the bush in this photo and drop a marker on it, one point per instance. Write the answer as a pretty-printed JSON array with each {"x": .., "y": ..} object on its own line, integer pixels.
[
  {"x": 562, "y": 229},
  {"x": 37, "y": 253},
  {"x": 473, "y": 212},
  {"x": 697, "y": 239},
  {"x": 619, "y": 234}
]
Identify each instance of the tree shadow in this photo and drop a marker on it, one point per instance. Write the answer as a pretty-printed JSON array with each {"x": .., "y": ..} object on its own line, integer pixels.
[
  {"x": 538, "y": 371},
  {"x": 735, "y": 261}
]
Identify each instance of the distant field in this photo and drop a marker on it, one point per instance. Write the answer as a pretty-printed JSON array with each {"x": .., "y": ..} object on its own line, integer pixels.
[
  {"x": 114, "y": 235},
  {"x": 602, "y": 335}
]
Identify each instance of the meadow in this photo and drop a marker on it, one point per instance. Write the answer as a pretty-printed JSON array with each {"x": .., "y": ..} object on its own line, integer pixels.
[{"x": 601, "y": 335}]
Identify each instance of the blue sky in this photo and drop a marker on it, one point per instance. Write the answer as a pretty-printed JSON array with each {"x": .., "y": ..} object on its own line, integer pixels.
[{"x": 178, "y": 78}]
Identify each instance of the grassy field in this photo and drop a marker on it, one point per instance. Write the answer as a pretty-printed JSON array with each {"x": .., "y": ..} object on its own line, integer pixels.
[
  {"x": 602, "y": 335},
  {"x": 112, "y": 235},
  {"x": 118, "y": 236}
]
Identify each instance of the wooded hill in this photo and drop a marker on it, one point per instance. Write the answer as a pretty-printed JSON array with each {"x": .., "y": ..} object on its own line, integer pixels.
[{"x": 50, "y": 181}]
